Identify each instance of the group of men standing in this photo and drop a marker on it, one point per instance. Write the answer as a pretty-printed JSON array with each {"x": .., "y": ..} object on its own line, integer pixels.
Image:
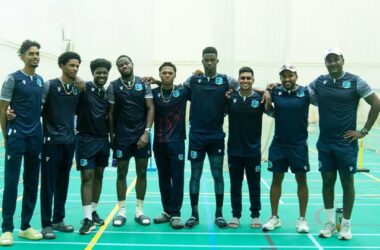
[{"x": 122, "y": 115}]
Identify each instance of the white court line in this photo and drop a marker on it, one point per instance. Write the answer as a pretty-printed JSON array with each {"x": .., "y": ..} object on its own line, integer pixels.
[
  {"x": 268, "y": 187},
  {"x": 315, "y": 242}
]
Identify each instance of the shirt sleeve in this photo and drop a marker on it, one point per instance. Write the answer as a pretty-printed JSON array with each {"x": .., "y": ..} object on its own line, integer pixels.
[
  {"x": 232, "y": 83},
  {"x": 45, "y": 91},
  {"x": 148, "y": 92},
  {"x": 110, "y": 95},
  {"x": 186, "y": 83},
  {"x": 363, "y": 88},
  {"x": 313, "y": 95},
  {"x": 7, "y": 89}
]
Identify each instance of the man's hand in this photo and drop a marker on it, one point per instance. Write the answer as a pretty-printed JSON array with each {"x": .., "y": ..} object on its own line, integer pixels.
[
  {"x": 143, "y": 141},
  {"x": 353, "y": 135},
  {"x": 267, "y": 99},
  {"x": 79, "y": 83},
  {"x": 271, "y": 86},
  {"x": 10, "y": 114},
  {"x": 228, "y": 93},
  {"x": 197, "y": 72},
  {"x": 148, "y": 79}
]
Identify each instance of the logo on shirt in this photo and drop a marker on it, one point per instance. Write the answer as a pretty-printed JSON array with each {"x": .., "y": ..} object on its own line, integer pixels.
[
  {"x": 39, "y": 82},
  {"x": 176, "y": 93},
  {"x": 351, "y": 168},
  {"x": 92, "y": 89},
  {"x": 24, "y": 82},
  {"x": 257, "y": 168},
  {"x": 300, "y": 93},
  {"x": 234, "y": 100},
  {"x": 199, "y": 80},
  {"x": 218, "y": 80},
  {"x": 83, "y": 162},
  {"x": 193, "y": 154},
  {"x": 325, "y": 81},
  {"x": 119, "y": 153},
  {"x": 59, "y": 89},
  {"x": 180, "y": 157},
  {"x": 346, "y": 84},
  {"x": 121, "y": 87},
  {"x": 279, "y": 93},
  {"x": 255, "y": 103},
  {"x": 138, "y": 86},
  {"x": 75, "y": 90}
]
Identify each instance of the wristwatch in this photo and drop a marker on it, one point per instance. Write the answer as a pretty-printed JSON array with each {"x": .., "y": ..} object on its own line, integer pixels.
[{"x": 364, "y": 131}]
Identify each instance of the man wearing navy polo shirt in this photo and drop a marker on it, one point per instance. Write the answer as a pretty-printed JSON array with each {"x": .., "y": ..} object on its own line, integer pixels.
[
  {"x": 338, "y": 94},
  {"x": 206, "y": 135},
  {"x": 22, "y": 91},
  {"x": 289, "y": 145},
  {"x": 131, "y": 117}
]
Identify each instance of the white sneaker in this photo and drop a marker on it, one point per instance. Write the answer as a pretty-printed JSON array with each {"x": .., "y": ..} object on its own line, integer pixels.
[
  {"x": 345, "y": 232},
  {"x": 302, "y": 226},
  {"x": 272, "y": 223},
  {"x": 328, "y": 230}
]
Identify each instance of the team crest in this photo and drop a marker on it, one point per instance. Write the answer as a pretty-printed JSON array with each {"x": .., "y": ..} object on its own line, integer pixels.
[
  {"x": 257, "y": 168},
  {"x": 218, "y": 80},
  {"x": 83, "y": 162},
  {"x": 300, "y": 93},
  {"x": 176, "y": 93},
  {"x": 119, "y": 153},
  {"x": 75, "y": 90},
  {"x": 180, "y": 157},
  {"x": 346, "y": 84},
  {"x": 138, "y": 86},
  {"x": 255, "y": 103},
  {"x": 39, "y": 82},
  {"x": 193, "y": 154}
]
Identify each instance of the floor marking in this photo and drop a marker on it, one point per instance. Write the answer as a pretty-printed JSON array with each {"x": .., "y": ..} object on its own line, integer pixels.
[
  {"x": 315, "y": 242},
  {"x": 372, "y": 177},
  {"x": 97, "y": 236},
  {"x": 268, "y": 187}
]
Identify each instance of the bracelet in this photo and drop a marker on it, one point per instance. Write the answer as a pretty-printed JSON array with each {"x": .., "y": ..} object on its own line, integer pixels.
[{"x": 364, "y": 131}]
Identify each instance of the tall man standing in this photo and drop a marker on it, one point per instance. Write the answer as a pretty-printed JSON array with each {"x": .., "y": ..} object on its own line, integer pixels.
[
  {"x": 131, "y": 117},
  {"x": 206, "y": 131},
  {"x": 338, "y": 95},
  {"x": 93, "y": 149},
  {"x": 169, "y": 143},
  {"x": 61, "y": 97},
  {"x": 22, "y": 90}
]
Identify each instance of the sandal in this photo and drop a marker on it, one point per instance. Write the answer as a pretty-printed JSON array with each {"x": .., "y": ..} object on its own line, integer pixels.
[
  {"x": 119, "y": 221},
  {"x": 143, "y": 220},
  {"x": 176, "y": 223},
  {"x": 221, "y": 222},
  {"x": 163, "y": 218},
  {"x": 234, "y": 223},
  {"x": 255, "y": 223},
  {"x": 191, "y": 222}
]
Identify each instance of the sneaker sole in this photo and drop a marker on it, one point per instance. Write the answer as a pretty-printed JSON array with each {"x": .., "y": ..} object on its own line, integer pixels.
[
  {"x": 267, "y": 229},
  {"x": 89, "y": 231},
  {"x": 344, "y": 238}
]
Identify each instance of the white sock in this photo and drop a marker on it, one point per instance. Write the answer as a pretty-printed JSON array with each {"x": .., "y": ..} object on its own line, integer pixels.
[
  {"x": 122, "y": 208},
  {"x": 139, "y": 208},
  {"x": 87, "y": 212},
  {"x": 330, "y": 214},
  {"x": 94, "y": 206},
  {"x": 344, "y": 221}
]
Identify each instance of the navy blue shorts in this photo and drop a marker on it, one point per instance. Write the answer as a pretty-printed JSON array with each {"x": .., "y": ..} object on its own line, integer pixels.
[
  {"x": 341, "y": 156},
  {"x": 200, "y": 144},
  {"x": 91, "y": 152},
  {"x": 281, "y": 158},
  {"x": 128, "y": 150}
]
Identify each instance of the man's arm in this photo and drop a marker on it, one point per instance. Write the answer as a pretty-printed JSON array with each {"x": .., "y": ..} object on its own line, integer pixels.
[
  {"x": 111, "y": 122},
  {"x": 143, "y": 141},
  {"x": 3, "y": 118}
]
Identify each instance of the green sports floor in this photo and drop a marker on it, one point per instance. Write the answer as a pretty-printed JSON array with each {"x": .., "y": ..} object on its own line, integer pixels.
[{"x": 365, "y": 221}]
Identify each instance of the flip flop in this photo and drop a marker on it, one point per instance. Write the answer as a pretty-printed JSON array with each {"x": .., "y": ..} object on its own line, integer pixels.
[
  {"x": 234, "y": 223},
  {"x": 143, "y": 220},
  {"x": 119, "y": 221},
  {"x": 176, "y": 223},
  {"x": 221, "y": 222}
]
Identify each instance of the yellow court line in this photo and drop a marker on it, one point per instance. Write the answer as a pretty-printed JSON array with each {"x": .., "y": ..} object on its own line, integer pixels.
[
  {"x": 372, "y": 177},
  {"x": 108, "y": 220}
]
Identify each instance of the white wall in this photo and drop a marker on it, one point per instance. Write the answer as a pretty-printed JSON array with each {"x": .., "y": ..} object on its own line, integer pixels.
[{"x": 262, "y": 34}]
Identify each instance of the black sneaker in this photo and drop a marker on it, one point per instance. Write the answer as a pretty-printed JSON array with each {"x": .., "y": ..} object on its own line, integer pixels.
[
  {"x": 96, "y": 219},
  {"x": 88, "y": 226}
]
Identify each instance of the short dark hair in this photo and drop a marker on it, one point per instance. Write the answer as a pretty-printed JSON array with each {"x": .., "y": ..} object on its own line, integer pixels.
[
  {"x": 100, "y": 62},
  {"x": 167, "y": 64},
  {"x": 67, "y": 56},
  {"x": 27, "y": 44},
  {"x": 211, "y": 50},
  {"x": 124, "y": 56},
  {"x": 246, "y": 69}
]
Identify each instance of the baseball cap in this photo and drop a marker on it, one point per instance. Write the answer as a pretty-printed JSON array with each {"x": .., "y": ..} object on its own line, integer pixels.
[
  {"x": 335, "y": 51},
  {"x": 289, "y": 67}
]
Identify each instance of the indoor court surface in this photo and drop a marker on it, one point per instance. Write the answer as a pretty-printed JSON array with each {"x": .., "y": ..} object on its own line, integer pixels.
[{"x": 365, "y": 222}]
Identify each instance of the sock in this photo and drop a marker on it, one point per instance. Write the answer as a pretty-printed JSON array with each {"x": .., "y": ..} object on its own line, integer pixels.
[
  {"x": 93, "y": 206},
  {"x": 330, "y": 214},
  {"x": 122, "y": 208},
  {"x": 344, "y": 221},
  {"x": 139, "y": 208},
  {"x": 87, "y": 212}
]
